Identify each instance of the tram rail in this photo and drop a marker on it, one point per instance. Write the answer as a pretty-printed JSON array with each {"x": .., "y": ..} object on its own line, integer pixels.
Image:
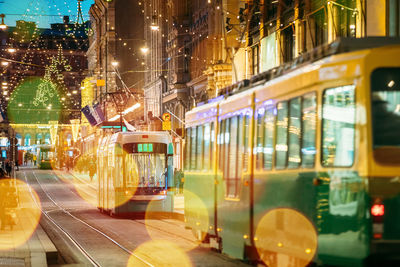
[{"x": 84, "y": 252}]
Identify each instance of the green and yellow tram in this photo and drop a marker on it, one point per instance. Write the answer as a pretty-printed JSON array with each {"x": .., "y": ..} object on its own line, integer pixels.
[
  {"x": 134, "y": 170},
  {"x": 45, "y": 156},
  {"x": 303, "y": 164}
]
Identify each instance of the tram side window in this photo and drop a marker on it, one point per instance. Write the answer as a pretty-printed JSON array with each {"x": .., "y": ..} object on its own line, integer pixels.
[
  {"x": 188, "y": 149},
  {"x": 294, "y": 133},
  {"x": 226, "y": 138},
  {"x": 220, "y": 143},
  {"x": 338, "y": 132},
  {"x": 246, "y": 134},
  {"x": 259, "y": 139},
  {"x": 207, "y": 139},
  {"x": 269, "y": 120},
  {"x": 241, "y": 147},
  {"x": 199, "y": 150},
  {"x": 309, "y": 127},
  {"x": 212, "y": 146},
  {"x": 233, "y": 158},
  {"x": 281, "y": 135},
  {"x": 193, "y": 149}
]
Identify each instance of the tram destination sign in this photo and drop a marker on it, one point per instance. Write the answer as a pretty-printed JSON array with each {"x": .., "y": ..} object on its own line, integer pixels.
[{"x": 145, "y": 148}]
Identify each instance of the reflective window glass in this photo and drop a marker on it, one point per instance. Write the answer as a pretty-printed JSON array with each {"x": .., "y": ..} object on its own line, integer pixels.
[
  {"x": 281, "y": 147},
  {"x": 294, "y": 159},
  {"x": 193, "y": 155},
  {"x": 207, "y": 139},
  {"x": 199, "y": 150},
  {"x": 309, "y": 127},
  {"x": 269, "y": 120},
  {"x": 338, "y": 114},
  {"x": 259, "y": 139}
]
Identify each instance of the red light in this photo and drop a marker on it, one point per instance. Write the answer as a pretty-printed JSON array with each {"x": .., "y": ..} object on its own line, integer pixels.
[
  {"x": 377, "y": 236},
  {"x": 145, "y": 136},
  {"x": 378, "y": 210}
]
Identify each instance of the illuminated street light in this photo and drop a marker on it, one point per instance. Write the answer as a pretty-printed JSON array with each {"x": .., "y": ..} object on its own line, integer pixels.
[
  {"x": 5, "y": 93},
  {"x": 12, "y": 50},
  {"x": 4, "y": 83},
  {"x": 3, "y": 26},
  {"x": 75, "y": 92},
  {"x": 144, "y": 49},
  {"x": 115, "y": 63},
  {"x": 154, "y": 27},
  {"x": 4, "y": 63}
]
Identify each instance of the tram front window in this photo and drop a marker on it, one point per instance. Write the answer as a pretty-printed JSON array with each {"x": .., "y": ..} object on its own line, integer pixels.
[
  {"x": 385, "y": 110},
  {"x": 145, "y": 170}
]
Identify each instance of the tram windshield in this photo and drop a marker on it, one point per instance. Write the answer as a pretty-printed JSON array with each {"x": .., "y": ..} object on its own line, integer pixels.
[
  {"x": 145, "y": 170},
  {"x": 46, "y": 155},
  {"x": 385, "y": 110}
]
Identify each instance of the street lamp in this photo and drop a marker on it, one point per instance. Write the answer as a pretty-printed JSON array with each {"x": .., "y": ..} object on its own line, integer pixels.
[
  {"x": 115, "y": 63},
  {"x": 144, "y": 49},
  {"x": 3, "y": 26}
]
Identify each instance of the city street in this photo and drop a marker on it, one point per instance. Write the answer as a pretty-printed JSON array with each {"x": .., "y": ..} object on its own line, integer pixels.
[
  {"x": 199, "y": 133},
  {"x": 108, "y": 241}
]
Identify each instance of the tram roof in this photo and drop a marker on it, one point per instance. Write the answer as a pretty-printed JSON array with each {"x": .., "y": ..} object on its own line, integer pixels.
[
  {"x": 143, "y": 136},
  {"x": 237, "y": 95}
]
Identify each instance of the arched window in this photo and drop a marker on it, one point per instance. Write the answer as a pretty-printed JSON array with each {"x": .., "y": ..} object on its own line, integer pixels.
[
  {"x": 27, "y": 141},
  {"x": 39, "y": 137},
  {"x": 47, "y": 139},
  {"x": 19, "y": 138}
]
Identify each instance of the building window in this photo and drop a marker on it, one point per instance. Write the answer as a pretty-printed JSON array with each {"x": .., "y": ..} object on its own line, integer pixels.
[
  {"x": 288, "y": 44},
  {"x": 320, "y": 28},
  {"x": 393, "y": 17},
  {"x": 255, "y": 59},
  {"x": 345, "y": 19}
]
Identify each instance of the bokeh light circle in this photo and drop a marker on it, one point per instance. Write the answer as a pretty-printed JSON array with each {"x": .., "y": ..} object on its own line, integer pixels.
[
  {"x": 285, "y": 237},
  {"x": 158, "y": 209},
  {"x": 159, "y": 253},
  {"x": 20, "y": 213},
  {"x": 34, "y": 100}
]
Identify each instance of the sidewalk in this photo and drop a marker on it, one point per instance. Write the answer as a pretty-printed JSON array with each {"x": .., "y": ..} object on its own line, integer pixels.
[
  {"x": 178, "y": 200},
  {"x": 24, "y": 242}
]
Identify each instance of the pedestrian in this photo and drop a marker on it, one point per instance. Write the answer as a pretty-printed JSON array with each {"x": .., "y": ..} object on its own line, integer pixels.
[
  {"x": 8, "y": 168},
  {"x": 92, "y": 170}
]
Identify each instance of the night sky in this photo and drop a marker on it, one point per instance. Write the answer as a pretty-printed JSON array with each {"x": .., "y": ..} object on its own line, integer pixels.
[{"x": 42, "y": 11}]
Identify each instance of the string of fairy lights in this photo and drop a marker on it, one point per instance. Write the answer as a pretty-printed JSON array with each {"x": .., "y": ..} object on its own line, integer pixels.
[{"x": 37, "y": 45}]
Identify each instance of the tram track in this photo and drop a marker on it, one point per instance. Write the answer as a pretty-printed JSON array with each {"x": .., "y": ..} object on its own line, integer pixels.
[
  {"x": 80, "y": 247},
  {"x": 138, "y": 221}
]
